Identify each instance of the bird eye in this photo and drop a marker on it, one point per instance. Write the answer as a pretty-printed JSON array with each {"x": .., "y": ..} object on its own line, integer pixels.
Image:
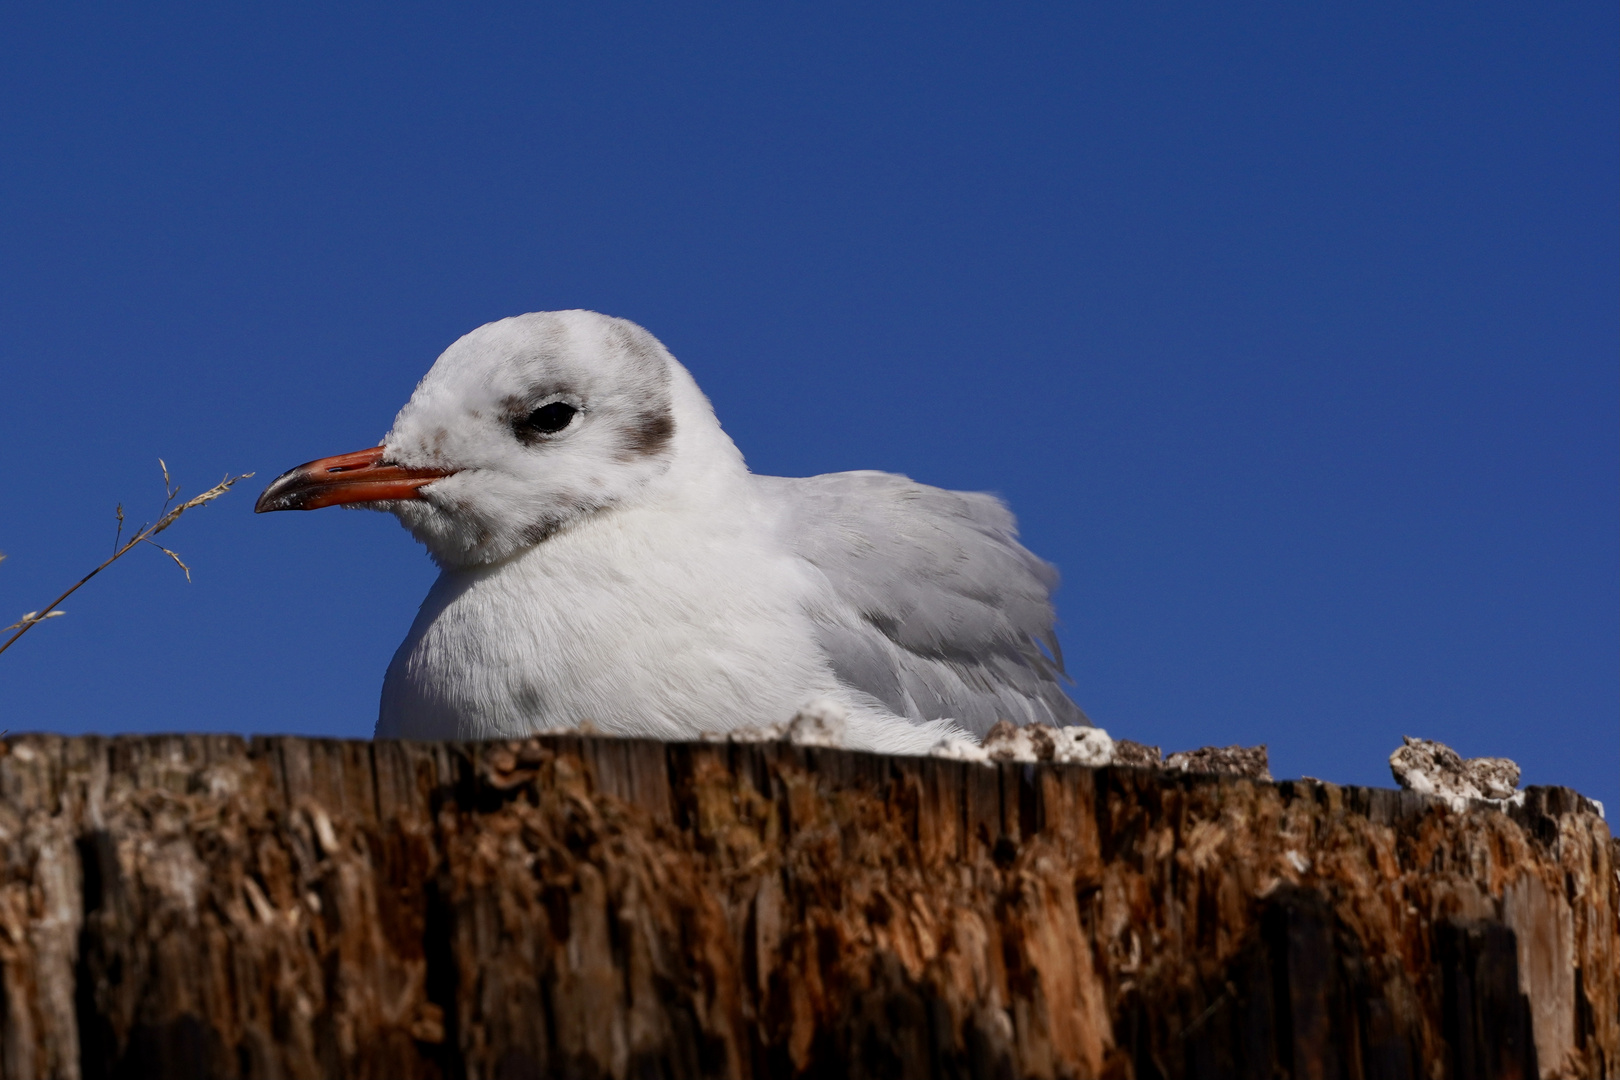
[{"x": 547, "y": 419}]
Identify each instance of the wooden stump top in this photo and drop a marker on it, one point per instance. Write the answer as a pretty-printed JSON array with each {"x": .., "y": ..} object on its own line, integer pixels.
[{"x": 204, "y": 905}]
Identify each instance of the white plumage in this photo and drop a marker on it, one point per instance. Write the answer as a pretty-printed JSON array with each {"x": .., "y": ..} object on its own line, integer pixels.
[{"x": 608, "y": 558}]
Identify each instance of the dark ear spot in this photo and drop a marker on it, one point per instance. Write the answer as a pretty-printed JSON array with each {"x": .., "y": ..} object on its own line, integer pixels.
[
  {"x": 539, "y": 532},
  {"x": 648, "y": 434}
]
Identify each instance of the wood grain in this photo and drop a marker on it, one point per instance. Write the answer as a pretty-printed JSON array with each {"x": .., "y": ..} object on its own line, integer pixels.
[{"x": 200, "y": 905}]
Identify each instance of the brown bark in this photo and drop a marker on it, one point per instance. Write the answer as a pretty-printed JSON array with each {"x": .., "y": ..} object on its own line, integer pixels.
[{"x": 201, "y": 906}]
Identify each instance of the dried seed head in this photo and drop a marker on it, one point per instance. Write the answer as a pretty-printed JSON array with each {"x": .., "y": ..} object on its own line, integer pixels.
[{"x": 32, "y": 617}]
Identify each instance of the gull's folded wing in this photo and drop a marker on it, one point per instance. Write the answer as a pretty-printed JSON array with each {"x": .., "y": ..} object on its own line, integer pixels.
[{"x": 933, "y": 607}]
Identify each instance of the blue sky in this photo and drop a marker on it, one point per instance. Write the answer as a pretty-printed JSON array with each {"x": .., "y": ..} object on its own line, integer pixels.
[{"x": 1289, "y": 331}]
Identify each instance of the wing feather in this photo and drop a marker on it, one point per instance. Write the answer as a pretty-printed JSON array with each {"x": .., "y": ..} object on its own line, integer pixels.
[{"x": 935, "y": 609}]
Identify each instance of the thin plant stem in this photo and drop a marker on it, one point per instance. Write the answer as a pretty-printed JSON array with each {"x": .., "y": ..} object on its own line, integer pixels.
[{"x": 166, "y": 517}]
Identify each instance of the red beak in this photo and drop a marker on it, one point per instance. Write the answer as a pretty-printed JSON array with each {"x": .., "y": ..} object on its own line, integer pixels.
[{"x": 347, "y": 478}]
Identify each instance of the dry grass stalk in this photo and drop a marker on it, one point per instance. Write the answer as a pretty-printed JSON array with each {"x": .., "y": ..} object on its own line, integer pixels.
[{"x": 167, "y": 516}]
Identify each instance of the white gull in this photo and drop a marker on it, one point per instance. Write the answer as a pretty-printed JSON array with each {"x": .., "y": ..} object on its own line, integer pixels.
[{"x": 607, "y": 558}]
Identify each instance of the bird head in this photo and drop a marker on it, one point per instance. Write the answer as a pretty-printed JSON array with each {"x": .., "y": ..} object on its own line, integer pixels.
[{"x": 520, "y": 428}]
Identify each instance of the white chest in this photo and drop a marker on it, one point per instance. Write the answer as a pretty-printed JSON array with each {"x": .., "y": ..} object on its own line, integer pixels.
[{"x": 645, "y": 623}]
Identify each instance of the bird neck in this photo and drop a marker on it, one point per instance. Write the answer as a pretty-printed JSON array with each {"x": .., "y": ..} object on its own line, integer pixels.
[{"x": 704, "y": 463}]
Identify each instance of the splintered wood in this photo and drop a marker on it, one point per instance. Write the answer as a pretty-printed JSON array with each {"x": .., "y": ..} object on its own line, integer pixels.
[{"x": 201, "y": 906}]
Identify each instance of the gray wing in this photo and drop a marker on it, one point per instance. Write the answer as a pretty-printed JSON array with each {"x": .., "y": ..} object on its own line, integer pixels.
[{"x": 940, "y": 611}]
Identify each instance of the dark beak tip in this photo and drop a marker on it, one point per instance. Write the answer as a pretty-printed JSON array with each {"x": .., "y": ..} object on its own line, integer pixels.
[{"x": 277, "y": 496}]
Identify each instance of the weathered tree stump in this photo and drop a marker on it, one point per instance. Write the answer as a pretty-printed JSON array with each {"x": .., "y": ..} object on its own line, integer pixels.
[{"x": 203, "y": 906}]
